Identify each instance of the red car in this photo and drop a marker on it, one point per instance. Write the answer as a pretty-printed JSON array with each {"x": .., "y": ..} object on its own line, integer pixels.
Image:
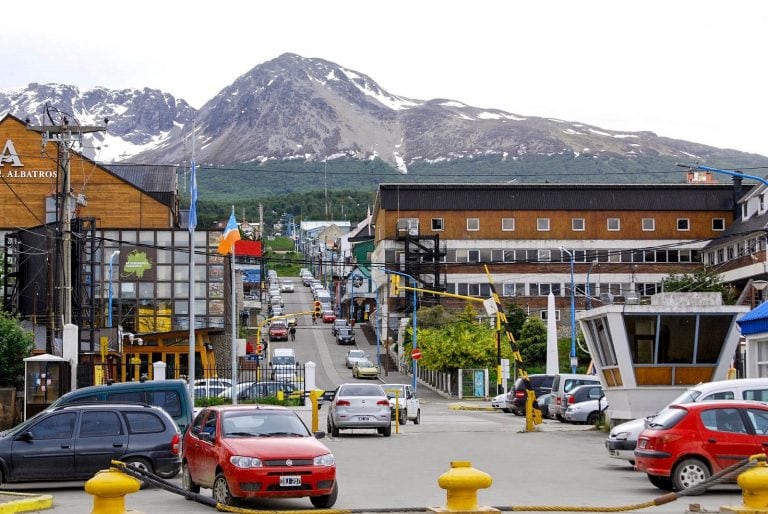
[
  {"x": 278, "y": 330},
  {"x": 685, "y": 444},
  {"x": 329, "y": 317},
  {"x": 257, "y": 451}
]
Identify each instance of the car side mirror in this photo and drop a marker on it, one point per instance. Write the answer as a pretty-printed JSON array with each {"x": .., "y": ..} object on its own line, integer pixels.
[{"x": 25, "y": 436}]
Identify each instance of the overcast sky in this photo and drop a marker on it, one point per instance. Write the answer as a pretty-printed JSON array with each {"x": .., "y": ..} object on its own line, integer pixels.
[{"x": 686, "y": 69}]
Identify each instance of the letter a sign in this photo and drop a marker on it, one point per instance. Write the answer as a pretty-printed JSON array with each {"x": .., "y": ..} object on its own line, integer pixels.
[{"x": 9, "y": 155}]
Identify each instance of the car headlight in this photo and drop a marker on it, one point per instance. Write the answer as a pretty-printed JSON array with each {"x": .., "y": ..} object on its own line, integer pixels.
[
  {"x": 622, "y": 436},
  {"x": 240, "y": 461},
  {"x": 325, "y": 460}
]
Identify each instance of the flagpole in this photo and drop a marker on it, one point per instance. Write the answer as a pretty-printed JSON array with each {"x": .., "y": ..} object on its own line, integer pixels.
[
  {"x": 192, "y": 225},
  {"x": 234, "y": 329}
]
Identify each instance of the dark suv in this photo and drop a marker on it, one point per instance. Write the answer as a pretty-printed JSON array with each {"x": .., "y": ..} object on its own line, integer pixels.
[
  {"x": 73, "y": 442},
  {"x": 542, "y": 384}
]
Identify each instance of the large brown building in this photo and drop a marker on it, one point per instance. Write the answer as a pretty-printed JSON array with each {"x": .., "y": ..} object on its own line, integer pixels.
[{"x": 622, "y": 239}]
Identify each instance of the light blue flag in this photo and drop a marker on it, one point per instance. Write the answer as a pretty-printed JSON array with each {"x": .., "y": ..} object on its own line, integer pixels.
[{"x": 193, "y": 202}]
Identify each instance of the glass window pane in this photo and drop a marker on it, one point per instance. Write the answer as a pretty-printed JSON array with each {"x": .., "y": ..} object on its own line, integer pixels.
[{"x": 712, "y": 332}]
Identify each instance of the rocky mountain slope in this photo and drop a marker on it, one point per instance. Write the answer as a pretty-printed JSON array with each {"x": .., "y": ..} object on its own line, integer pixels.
[{"x": 300, "y": 109}]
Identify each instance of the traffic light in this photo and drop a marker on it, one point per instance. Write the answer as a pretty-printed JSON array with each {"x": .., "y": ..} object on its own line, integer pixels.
[
  {"x": 395, "y": 281},
  {"x": 317, "y": 312}
]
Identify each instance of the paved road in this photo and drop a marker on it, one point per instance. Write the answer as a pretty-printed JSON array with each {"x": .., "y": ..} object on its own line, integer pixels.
[{"x": 557, "y": 465}]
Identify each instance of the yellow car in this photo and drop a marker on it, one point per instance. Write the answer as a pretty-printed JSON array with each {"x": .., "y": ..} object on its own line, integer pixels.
[{"x": 365, "y": 369}]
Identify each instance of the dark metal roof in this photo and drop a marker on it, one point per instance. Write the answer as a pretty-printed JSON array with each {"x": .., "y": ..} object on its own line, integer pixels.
[
  {"x": 577, "y": 197},
  {"x": 159, "y": 182}
]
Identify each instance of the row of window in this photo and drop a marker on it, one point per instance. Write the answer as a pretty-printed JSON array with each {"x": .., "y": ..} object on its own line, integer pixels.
[
  {"x": 498, "y": 255},
  {"x": 513, "y": 289},
  {"x": 736, "y": 250},
  {"x": 543, "y": 224}
]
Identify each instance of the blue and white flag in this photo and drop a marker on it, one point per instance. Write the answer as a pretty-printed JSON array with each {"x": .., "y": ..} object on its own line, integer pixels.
[{"x": 192, "y": 223}]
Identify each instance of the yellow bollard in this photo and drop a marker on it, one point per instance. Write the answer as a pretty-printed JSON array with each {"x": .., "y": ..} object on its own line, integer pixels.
[
  {"x": 314, "y": 394},
  {"x": 109, "y": 487},
  {"x": 462, "y": 482},
  {"x": 754, "y": 489}
]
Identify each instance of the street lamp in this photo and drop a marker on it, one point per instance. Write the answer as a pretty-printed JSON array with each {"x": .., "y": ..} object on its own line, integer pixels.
[
  {"x": 111, "y": 259},
  {"x": 413, "y": 282},
  {"x": 573, "y": 314}
]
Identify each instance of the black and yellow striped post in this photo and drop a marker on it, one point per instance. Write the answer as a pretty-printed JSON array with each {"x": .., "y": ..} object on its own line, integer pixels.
[{"x": 532, "y": 412}]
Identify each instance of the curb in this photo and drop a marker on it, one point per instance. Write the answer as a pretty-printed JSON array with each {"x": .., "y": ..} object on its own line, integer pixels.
[
  {"x": 23, "y": 502},
  {"x": 457, "y": 406}
]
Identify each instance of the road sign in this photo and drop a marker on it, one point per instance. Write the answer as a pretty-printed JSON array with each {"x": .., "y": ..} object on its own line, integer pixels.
[{"x": 416, "y": 354}]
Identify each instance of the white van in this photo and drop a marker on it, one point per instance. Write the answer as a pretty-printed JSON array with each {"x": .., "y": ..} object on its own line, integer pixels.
[
  {"x": 282, "y": 363},
  {"x": 622, "y": 439},
  {"x": 564, "y": 383}
]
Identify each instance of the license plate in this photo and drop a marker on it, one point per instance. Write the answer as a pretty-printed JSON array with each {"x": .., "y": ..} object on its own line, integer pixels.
[
  {"x": 362, "y": 418},
  {"x": 290, "y": 481}
]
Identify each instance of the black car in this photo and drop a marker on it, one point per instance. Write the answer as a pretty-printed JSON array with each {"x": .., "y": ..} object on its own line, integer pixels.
[
  {"x": 339, "y": 324},
  {"x": 541, "y": 384},
  {"x": 345, "y": 336},
  {"x": 73, "y": 442}
]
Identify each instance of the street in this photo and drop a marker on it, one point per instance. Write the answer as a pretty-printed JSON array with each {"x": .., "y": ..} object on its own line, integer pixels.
[{"x": 559, "y": 464}]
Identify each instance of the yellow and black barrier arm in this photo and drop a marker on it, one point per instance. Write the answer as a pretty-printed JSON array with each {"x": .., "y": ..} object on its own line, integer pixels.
[{"x": 532, "y": 412}]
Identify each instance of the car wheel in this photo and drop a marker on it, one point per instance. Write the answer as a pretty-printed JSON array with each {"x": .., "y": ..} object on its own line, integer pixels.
[
  {"x": 402, "y": 418},
  {"x": 663, "y": 483},
  {"x": 593, "y": 418},
  {"x": 688, "y": 473},
  {"x": 326, "y": 501},
  {"x": 142, "y": 464},
  {"x": 387, "y": 430},
  {"x": 220, "y": 491},
  {"x": 508, "y": 411},
  {"x": 186, "y": 480},
  {"x": 334, "y": 430},
  {"x": 560, "y": 418},
  {"x": 418, "y": 417},
  {"x": 518, "y": 412},
  {"x": 167, "y": 475}
]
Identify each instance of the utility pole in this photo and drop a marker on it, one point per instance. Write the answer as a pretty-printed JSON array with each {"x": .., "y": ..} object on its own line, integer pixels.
[{"x": 66, "y": 135}]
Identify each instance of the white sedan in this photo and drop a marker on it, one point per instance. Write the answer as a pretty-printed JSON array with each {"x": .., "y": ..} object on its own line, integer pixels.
[{"x": 500, "y": 402}]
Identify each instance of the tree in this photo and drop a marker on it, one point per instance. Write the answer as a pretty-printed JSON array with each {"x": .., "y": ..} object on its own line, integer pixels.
[
  {"x": 15, "y": 345},
  {"x": 533, "y": 343},
  {"x": 516, "y": 317},
  {"x": 702, "y": 280},
  {"x": 433, "y": 317}
]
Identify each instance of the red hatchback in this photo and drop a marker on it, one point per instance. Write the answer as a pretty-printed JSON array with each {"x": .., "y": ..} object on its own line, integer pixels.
[
  {"x": 257, "y": 451},
  {"x": 685, "y": 444}
]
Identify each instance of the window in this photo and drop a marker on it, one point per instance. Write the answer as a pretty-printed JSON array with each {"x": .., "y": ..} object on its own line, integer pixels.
[
  {"x": 683, "y": 224},
  {"x": 58, "y": 426},
  {"x": 473, "y": 224},
  {"x": 544, "y": 315},
  {"x": 512, "y": 289},
  {"x": 473, "y": 255},
  {"x": 145, "y": 422},
  {"x": 545, "y": 256},
  {"x": 438, "y": 224},
  {"x": 100, "y": 424},
  {"x": 614, "y": 224},
  {"x": 649, "y": 224},
  {"x": 577, "y": 224},
  {"x": 718, "y": 224},
  {"x": 507, "y": 224},
  {"x": 542, "y": 224},
  {"x": 409, "y": 225}
]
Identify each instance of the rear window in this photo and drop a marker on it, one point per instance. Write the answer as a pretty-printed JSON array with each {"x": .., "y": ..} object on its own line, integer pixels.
[
  {"x": 666, "y": 419},
  {"x": 126, "y": 397},
  {"x": 169, "y": 401},
  {"x": 144, "y": 422}
]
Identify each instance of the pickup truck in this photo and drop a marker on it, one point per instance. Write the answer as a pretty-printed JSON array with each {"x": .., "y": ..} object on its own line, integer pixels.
[{"x": 402, "y": 398}]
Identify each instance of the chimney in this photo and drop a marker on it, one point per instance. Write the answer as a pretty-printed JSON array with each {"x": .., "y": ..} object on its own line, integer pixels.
[{"x": 736, "y": 197}]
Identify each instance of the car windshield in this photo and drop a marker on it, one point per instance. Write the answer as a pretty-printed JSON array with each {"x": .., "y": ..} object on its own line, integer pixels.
[
  {"x": 688, "y": 396},
  {"x": 262, "y": 423},
  {"x": 356, "y": 354},
  {"x": 361, "y": 390},
  {"x": 364, "y": 363},
  {"x": 285, "y": 360}
]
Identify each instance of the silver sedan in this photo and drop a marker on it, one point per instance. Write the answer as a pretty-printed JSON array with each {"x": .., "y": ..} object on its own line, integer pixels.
[{"x": 358, "y": 405}]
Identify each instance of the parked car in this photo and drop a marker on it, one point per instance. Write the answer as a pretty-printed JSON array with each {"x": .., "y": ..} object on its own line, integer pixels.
[
  {"x": 345, "y": 336},
  {"x": 266, "y": 389},
  {"x": 585, "y": 404},
  {"x": 403, "y": 403},
  {"x": 358, "y": 405},
  {"x": 562, "y": 384},
  {"x": 622, "y": 439},
  {"x": 210, "y": 387},
  {"x": 73, "y": 442},
  {"x": 328, "y": 316},
  {"x": 170, "y": 395},
  {"x": 278, "y": 330},
  {"x": 500, "y": 402},
  {"x": 580, "y": 394},
  {"x": 364, "y": 368},
  {"x": 337, "y": 324},
  {"x": 244, "y": 451},
  {"x": 354, "y": 356},
  {"x": 286, "y": 286},
  {"x": 544, "y": 401},
  {"x": 516, "y": 398},
  {"x": 686, "y": 444}
]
